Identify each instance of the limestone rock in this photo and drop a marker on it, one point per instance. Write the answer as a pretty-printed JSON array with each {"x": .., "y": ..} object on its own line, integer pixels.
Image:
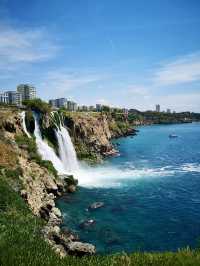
[
  {"x": 71, "y": 188},
  {"x": 57, "y": 212},
  {"x": 96, "y": 205},
  {"x": 80, "y": 249}
]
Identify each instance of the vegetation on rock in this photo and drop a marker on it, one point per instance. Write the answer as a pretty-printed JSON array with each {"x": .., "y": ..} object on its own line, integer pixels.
[{"x": 37, "y": 105}]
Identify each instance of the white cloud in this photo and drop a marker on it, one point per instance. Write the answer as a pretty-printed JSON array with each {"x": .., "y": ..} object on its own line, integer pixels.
[
  {"x": 24, "y": 46},
  {"x": 180, "y": 101},
  {"x": 183, "y": 70},
  {"x": 59, "y": 82}
]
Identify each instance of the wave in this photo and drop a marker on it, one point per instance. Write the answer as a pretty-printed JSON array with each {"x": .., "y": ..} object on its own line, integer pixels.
[
  {"x": 191, "y": 167},
  {"x": 107, "y": 176}
]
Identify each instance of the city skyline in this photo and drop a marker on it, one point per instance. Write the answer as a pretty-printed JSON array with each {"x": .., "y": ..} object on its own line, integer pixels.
[{"x": 129, "y": 54}]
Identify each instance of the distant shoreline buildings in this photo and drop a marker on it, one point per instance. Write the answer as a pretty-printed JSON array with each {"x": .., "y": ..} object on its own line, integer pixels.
[
  {"x": 64, "y": 103},
  {"x": 28, "y": 92},
  {"x": 24, "y": 92}
]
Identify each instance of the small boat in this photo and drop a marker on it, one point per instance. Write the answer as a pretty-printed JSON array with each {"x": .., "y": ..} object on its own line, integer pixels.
[{"x": 171, "y": 136}]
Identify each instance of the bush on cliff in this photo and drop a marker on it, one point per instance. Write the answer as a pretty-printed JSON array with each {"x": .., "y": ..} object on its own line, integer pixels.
[{"x": 38, "y": 105}]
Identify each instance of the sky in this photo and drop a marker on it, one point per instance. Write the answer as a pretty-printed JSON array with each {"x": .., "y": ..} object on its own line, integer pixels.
[{"x": 125, "y": 53}]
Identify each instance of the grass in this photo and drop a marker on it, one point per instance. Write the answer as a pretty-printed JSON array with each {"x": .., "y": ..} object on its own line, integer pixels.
[{"x": 21, "y": 243}]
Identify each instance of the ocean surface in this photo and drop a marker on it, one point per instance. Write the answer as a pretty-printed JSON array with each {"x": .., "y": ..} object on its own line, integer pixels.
[{"x": 151, "y": 193}]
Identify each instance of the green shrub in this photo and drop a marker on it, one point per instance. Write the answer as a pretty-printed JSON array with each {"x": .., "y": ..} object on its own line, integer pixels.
[
  {"x": 38, "y": 105},
  {"x": 70, "y": 180},
  {"x": 13, "y": 174},
  {"x": 49, "y": 166}
]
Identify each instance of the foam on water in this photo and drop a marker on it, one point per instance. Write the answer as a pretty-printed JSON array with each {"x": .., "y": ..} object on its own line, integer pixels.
[{"x": 105, "y": 176}]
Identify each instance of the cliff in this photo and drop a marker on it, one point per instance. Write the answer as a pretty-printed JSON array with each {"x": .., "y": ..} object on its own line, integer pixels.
[{"x": 91, "y": 133}]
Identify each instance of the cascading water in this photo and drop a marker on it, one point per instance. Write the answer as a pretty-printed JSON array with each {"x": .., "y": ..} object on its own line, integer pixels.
[
  {"x": 24, "y": 124},
  {"x": 66, "y": 149},
  {"x": 46, "y": 151},
  {"x": 67, "y": 163}
]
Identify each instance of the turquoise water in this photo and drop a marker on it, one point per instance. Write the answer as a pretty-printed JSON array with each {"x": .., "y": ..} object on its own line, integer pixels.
[{"x": 151, "y": 193}]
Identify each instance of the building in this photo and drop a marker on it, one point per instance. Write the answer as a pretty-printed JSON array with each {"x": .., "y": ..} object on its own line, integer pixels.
[
  {"x": 53, "y": 103},
  {"x": 91, "y": 108},
  {"x": 168, "y": 111},
  {"x": 83, "y": 108},
  {"x": 63, "y": 102},
  {"x": 72, "y": 106},
  {"x": 58, "y": 103},
  {"x": 27, "y": 91},
  {"x": 11, "y": 97},
  {"x": 14, "y": 97},
  {"x": 3, "y": 98},
  {"x": 98, "y": 107},
  {"x": 158, "y": 108}
]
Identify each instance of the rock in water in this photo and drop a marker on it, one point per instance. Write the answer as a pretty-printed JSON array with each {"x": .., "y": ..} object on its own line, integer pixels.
[
  {"x": 87, "y": 223},
  {"x": 96, "y": 205},
  {"x": 71, "y": 188},
  {"x": 80, "y": 249}
]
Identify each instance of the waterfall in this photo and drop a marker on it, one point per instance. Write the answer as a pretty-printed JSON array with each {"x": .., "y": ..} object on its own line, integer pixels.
[
  {"x": 66, "y": 149},
  {"x": 46, "y": 152},
  {"x": 67, "y": 162},
  {"x": 24, "y": 124}
]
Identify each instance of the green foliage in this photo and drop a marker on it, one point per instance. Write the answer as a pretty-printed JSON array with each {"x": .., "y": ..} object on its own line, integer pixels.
[
  {"x": 49, "y": 166},
  {"x": 38, "y": 105},
  {"x": 105, "y": 108},
  {"x": 70, "y": 180},
  {"x": 13, "y": 174},
  {"x": 85, "y": 153}
]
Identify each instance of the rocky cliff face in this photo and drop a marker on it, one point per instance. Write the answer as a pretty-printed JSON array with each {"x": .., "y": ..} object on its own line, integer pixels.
[{"x": 92, "y": 134}]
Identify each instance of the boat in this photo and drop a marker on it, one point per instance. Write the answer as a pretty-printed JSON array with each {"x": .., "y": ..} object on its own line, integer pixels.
[{"x": 171, "y": 136}]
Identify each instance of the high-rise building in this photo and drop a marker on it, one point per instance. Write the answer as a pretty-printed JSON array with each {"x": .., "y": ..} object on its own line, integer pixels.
[
  {"x": 58, "y": 103},
  {"x": 3, "y": 98},
  {"x": 98, "y": 107},
  {"x": 27, "y": 91},
  {"x": 168, "y": 111},
  {"x": 158, "y": 108},
  {"x": 14, "y": 97},
  {"x": 72, "y": 106},
  {"x": 52, "y": 103}
]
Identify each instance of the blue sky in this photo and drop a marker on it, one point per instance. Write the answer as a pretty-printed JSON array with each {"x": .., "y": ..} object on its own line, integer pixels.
[{"x": 122, "y": 53}]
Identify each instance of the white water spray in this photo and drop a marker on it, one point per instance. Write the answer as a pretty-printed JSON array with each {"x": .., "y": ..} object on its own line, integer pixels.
[
  {"x": 66, "y": 150},
  {"x": 24, "y": 124},
  {"x": 67, "y": 162},
  {"x": 46, "y": 151}
]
